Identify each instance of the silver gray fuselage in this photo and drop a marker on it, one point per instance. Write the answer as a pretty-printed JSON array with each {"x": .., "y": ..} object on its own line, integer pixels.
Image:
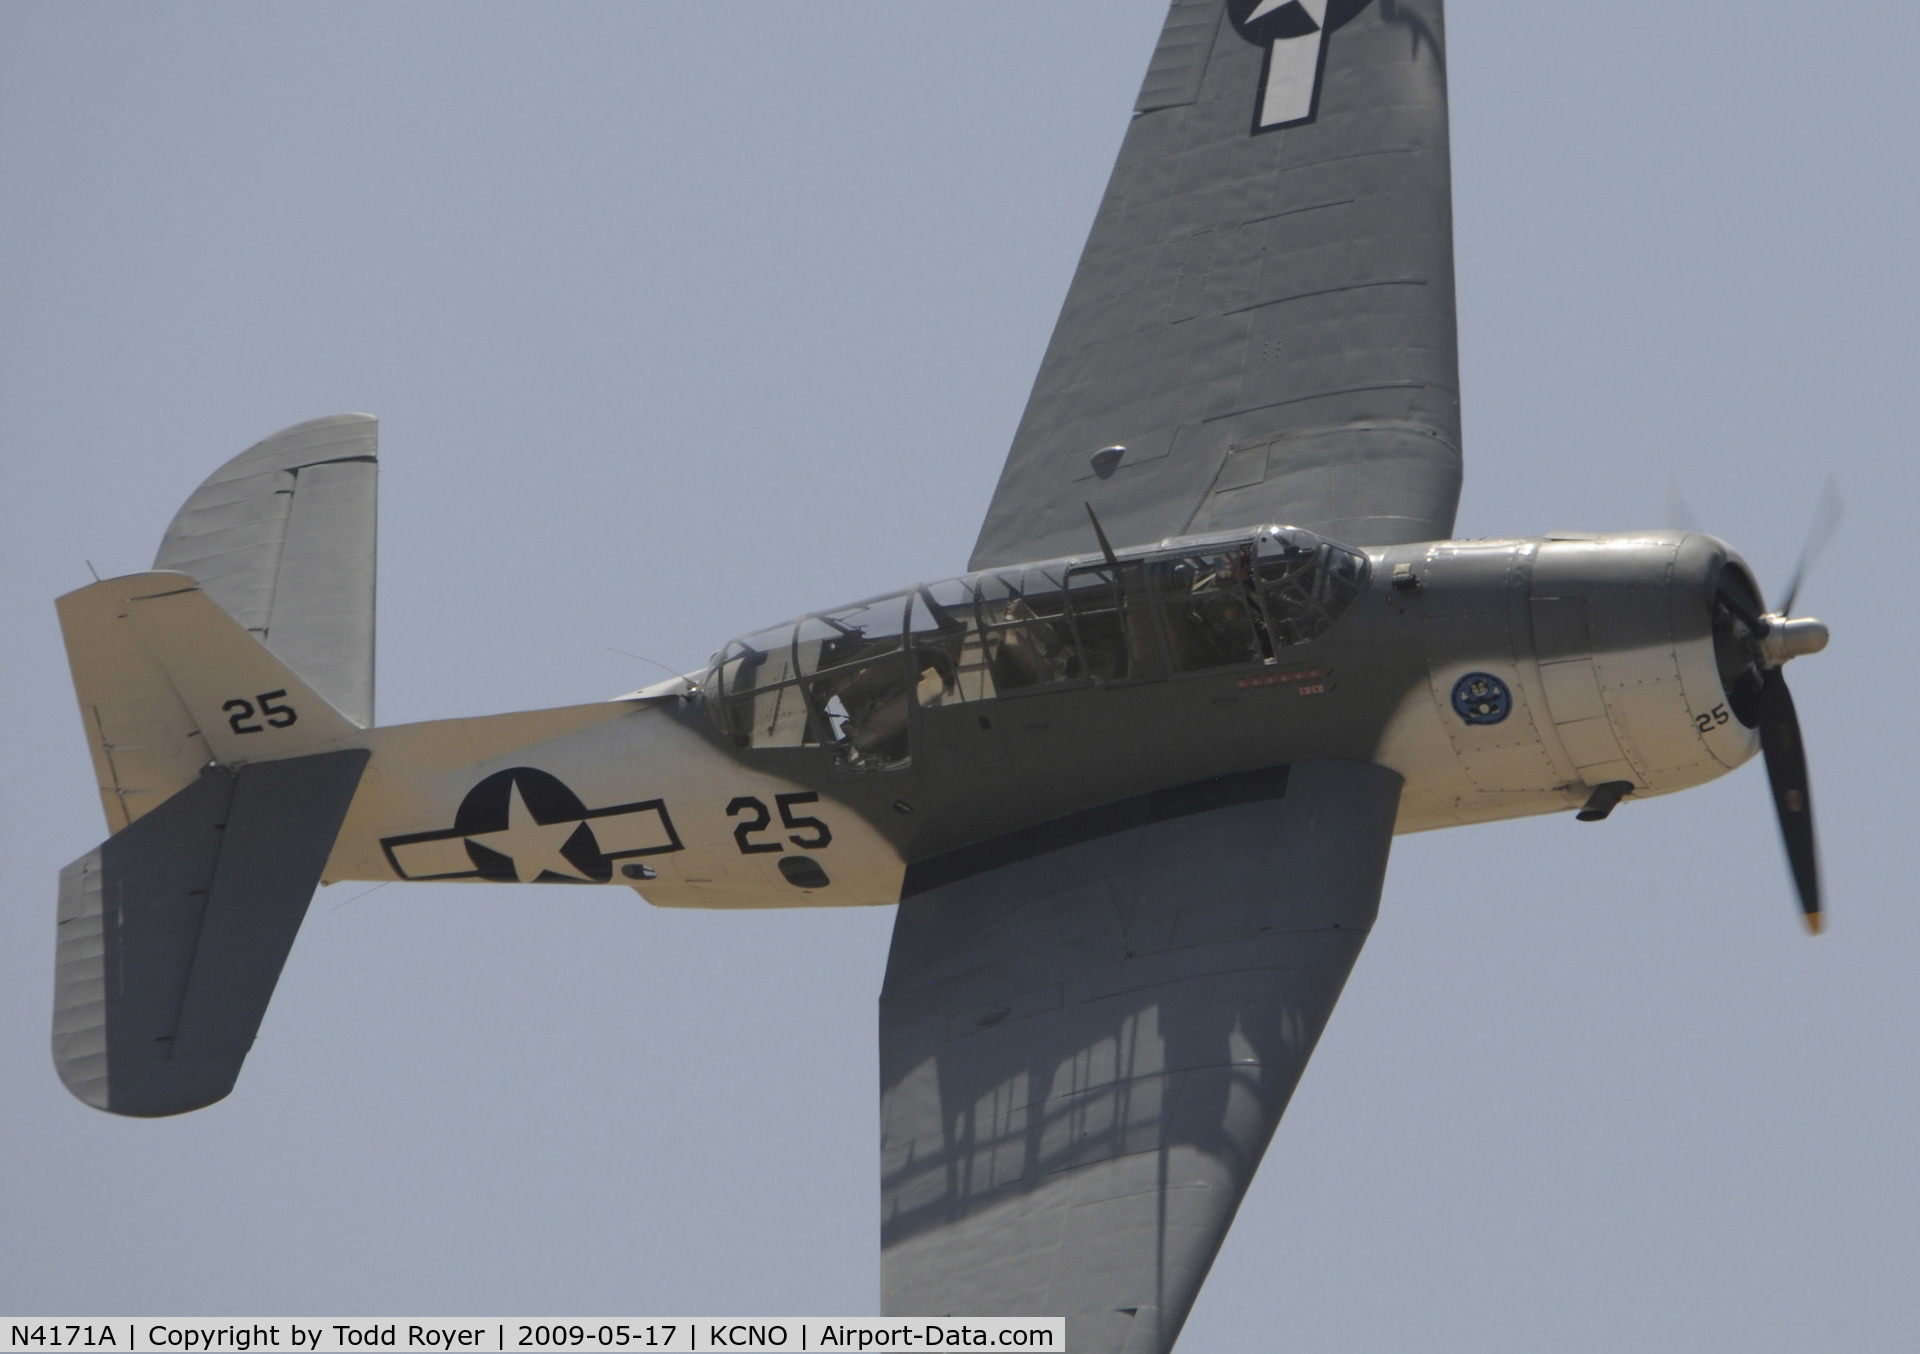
[{"x": 1603, "y": 646}]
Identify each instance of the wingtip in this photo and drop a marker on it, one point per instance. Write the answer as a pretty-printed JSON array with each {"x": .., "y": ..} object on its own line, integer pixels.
[{"x": 1815, "y": 923}]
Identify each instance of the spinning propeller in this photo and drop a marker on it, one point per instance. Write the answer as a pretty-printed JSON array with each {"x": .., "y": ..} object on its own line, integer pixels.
[{"x": 1753, "y": 650}]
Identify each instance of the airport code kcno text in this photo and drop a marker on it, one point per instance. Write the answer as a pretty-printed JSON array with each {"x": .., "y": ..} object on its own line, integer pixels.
[{"x": 215, "y": 1336}]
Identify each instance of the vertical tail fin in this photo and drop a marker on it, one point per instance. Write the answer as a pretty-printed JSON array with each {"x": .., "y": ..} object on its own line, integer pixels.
[
  {"x": 225, "y": 778},
  {"x": 169, "y": 683},
  {"x": 221, "y": 696}
]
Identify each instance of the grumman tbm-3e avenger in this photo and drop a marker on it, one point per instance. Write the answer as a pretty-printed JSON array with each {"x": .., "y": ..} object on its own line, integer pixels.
[{"x": 1134, "y": 804}]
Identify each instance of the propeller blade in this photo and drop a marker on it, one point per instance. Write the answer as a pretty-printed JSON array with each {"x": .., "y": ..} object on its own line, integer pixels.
[
  {"x": 1787, "y": 772},
  {"x": 1826, "y": 517},
  {"x": 1679, "y": 516}
]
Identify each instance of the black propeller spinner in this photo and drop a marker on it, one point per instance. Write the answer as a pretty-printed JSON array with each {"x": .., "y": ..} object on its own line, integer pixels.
[{"x": 1752, "y": 649}]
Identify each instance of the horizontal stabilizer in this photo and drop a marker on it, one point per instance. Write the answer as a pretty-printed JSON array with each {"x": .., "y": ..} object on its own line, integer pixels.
[
  {"x": 173, "y": 932},
  {"x": 282, "y": 537}
]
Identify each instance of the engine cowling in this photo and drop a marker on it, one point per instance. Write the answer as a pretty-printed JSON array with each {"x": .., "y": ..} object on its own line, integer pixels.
[
  {"x": 1626, "y": 647},
  {"x": 1559, "y": 665}
]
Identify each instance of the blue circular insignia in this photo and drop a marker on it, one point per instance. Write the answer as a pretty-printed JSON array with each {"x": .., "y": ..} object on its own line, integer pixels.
[{"x": 1482, "y": 698}]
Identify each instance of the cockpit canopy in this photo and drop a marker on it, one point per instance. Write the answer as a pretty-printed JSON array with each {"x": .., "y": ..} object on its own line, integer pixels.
[{"x": 848, "y": 680}]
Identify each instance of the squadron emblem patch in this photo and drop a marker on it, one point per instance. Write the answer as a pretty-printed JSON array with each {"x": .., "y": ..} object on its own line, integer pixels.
[
  {"x": 1482, "y": 698},
  {"x": 521, "y": 825},
  {"x": 1294, "y": 33}
]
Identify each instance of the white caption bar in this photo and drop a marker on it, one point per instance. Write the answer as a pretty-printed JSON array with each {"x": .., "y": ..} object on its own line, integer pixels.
[{"x": 683, "y": 1335}]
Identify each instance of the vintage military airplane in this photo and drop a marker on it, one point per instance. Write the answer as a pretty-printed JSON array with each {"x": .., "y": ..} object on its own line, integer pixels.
[{"x": 1134, "y": 803}]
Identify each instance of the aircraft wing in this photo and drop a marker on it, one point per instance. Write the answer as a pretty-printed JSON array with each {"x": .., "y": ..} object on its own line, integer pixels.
[
  {"x": 1089, "y": 1030},
  {"x": 1261, "y": 328}
]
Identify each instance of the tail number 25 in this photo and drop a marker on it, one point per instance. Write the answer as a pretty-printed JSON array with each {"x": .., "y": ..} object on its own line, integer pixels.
[{"x": 241, "y": 711}]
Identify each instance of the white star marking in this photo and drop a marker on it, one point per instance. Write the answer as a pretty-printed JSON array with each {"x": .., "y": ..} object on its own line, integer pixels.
[
  {"x": 534, "y": 847},
  {"x": 1316, "y": 9},
  {"x": 1293, "y": 67}
]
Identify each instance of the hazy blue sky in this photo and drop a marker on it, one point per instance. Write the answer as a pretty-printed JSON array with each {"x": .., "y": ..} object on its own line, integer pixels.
[{"x": 684, "y": 318}]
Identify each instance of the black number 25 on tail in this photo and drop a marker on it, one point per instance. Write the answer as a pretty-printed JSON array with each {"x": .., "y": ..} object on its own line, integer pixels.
[{"x": 240, "y": 711}]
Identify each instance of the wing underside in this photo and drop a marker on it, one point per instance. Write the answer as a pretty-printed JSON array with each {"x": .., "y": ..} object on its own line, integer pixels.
[
  {"x": 1085, "y": 1050},
  {"x": 1261, "y": 327}
]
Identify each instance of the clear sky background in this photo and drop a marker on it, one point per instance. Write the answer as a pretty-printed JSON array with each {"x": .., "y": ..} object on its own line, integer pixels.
[{"x": 681, "y": 319}]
